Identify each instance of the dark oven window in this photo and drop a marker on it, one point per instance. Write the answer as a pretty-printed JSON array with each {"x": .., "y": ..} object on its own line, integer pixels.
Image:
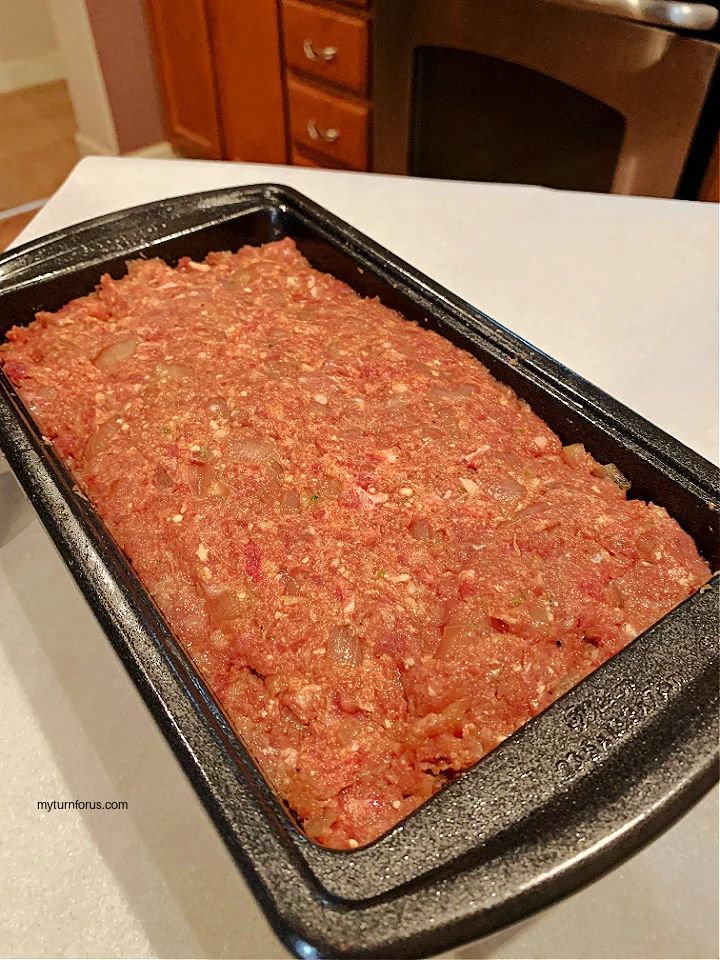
[{"x": 475, "y": 117}]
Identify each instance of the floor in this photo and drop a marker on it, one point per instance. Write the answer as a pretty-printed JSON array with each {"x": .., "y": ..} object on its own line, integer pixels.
[
  {"x": 10, "y": 227},
  {"x": 37, "y": 153}
]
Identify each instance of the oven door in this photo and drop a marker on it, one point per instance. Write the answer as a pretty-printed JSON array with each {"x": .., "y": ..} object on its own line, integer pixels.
[{"x": 539, "y": 92}]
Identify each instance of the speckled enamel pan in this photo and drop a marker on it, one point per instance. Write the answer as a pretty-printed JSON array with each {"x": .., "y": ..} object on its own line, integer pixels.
[{"x": 605, "y": 769}]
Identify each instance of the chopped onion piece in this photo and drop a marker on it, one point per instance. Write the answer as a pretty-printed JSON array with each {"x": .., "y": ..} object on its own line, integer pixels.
[
  {"x": 290, "y": 586},
  {"x": 538, "y": 614},
  {"x": 455, "y": 637},
  {"x": 276, "y": 684},
  {"x": 100, "y": 438},
  {"x": 344, "y": 648},
  {"x": 506, "y": 489},
  {"x": 331, "y": 488},
  {"x": 460, "y": 393},
  {"x": 251, "y": 450},
  {"x": 228, "y": 605},
  {"x": 649, "y": 547},
  {"x": 527, "y": 512},
  {"x": 112, "y": 355},
  {"x": 610, "y": 472},
  {"x": 420, "y": 530},
  {"x": 162, "y": 478},
  {"x": 569, "y": 681},
  {"x": 350, "y": 730},
  {"x": 218, "y": 408},
  {"x": 456, "y": 710},
  {"x": 575, "y": 454},
  {"x": 172, "y": 371},
  {"x": 46, "y": 393},
  {"x": 614, "y": 595},
  {"x": 204, "y": 482},
  {"x": 290, "y": 501}
]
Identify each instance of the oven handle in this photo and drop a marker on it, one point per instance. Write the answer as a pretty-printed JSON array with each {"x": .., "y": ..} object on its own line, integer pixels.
[{"x": 664, "y": 13}]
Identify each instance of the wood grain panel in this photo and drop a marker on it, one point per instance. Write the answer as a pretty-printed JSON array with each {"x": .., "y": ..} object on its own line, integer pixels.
[
  {"x": 309, "y": 28},
  {"x": 185, "y": 65},
  {"x": 246, "y": 40},
  {"x": 310, "y": 107},
  {"x": 302, "y": 159}
]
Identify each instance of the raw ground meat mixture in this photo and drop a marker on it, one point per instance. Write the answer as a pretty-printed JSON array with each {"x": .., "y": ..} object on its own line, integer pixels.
[{"x": 380, "y": 559}]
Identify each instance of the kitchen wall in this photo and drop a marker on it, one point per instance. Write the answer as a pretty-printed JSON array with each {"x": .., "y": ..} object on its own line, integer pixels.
[
  {"x": 96, "y": 127},
  {"x": 122, "y": 41},
  {"x": 28, "y": 46},
  {"x": 106, "y": 52}
]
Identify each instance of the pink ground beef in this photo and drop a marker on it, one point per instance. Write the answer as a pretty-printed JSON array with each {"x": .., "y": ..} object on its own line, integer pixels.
[{"x": 382, "y": 562}]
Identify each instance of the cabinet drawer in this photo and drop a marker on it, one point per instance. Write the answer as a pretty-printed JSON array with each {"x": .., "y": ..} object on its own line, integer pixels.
[
  {"x": 301, "y": 159},
  {"x": 327, "y": 45},
  {"x": 329, "y": 125}
]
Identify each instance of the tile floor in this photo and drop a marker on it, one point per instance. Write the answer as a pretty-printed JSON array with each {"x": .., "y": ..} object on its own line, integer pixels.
[{"x": 37, "y": 149}]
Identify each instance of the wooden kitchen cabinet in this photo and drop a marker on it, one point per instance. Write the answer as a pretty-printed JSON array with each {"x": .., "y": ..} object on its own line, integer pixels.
[
  {"x": 325, "y": 124},
  {"x": 327, "y": 46},
  {"x": 268, "y": 81},
  {"x": 246, "y": 42},
  {"x": 185, "y": 61}
]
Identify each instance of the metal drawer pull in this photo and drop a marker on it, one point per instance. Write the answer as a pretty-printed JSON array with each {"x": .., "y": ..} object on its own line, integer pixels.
[
  {"x": 327, "y": 53},
  {"x": 664, "y": 13},
  {"x": 330, "y": 135}
]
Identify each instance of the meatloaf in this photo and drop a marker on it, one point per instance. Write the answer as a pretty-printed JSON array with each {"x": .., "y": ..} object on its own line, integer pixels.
[{"x": 380, "y": 559}]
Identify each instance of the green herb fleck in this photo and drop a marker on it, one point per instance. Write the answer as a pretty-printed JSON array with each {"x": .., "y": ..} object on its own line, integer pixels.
[
  {"x": 167, "y": 431},
  {"x": 380, "y": 574},
  {"x": 314, "y": 498},
  {"x": 204, "y": 453},
  {"x": 516, "y": 601}
]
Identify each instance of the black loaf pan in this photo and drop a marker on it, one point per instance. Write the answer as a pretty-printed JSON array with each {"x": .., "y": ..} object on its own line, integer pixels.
[{"x": 578, "y": 789}]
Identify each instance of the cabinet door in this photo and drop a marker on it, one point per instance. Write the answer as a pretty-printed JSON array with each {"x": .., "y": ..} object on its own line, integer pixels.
[
  {"x": 185, "y": 64},
  {"x": 246, "y": 43},
  {"x": 326, "y": 45},
  {"x": 332, "y": 126}
]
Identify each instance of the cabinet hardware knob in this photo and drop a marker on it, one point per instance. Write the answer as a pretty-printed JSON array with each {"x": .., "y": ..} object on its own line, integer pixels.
[
  {"x": 326, "y": 53},
  {"x": 330, "y": 135}
]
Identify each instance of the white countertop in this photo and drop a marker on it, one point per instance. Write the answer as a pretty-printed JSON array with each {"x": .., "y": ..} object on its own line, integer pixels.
[{"x": 624, "y": 291}]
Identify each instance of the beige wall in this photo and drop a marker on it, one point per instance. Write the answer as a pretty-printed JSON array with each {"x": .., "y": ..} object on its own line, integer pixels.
[
  {"x": 28, "y": 46},
  {"x": 101, "y": 47},
  {"x": 96, "y": 130},
  {"x": 122, "y": 41},
  {"x": 25, "y": 29}
]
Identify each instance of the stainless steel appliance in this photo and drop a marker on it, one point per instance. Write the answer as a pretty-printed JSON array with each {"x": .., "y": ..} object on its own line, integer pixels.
[{"x": 577, "y": 94}]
